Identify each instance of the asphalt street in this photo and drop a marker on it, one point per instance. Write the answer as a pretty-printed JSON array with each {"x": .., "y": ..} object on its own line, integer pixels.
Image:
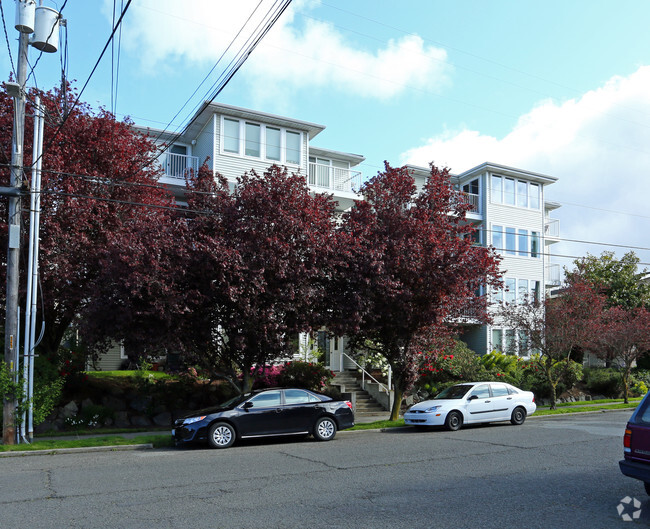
[{"x": 552, "y": 472}]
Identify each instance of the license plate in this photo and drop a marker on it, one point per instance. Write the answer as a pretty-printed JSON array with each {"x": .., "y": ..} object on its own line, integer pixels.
[{"x": 173, "y": 433}]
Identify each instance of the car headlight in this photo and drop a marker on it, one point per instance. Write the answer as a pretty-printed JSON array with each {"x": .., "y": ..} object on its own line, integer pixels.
[
  {"x": 432, "y": 409},
  {"x": 193, "y": 419}
]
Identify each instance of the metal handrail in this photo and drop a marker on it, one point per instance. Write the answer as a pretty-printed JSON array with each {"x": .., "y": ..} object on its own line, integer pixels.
[{"x": 364, "y": 373}]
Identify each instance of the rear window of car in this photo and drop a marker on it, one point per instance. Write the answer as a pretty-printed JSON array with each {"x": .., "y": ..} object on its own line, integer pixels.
[
  {"x": 643, "y": 412},
  {"x": 297, "y": 396},
  {"x": 499, "y": 390}
]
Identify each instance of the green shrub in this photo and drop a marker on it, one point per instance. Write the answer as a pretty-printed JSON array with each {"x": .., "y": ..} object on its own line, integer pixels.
[
  {"x": 638, "y": 389},
  {"x": 603, "y": 381},
  {"x": 499, "y": 366},
  {"x": 535, "y": 379},
  {"x": 440, "y": 369}
]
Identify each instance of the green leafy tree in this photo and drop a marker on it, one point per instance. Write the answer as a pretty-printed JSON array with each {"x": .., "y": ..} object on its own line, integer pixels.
[{"x": 620, "y": 280}]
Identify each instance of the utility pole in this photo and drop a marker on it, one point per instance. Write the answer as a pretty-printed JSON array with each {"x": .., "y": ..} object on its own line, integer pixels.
[
  {"x": 44, "y": 23},
  {"x": 13, "y": 251}
]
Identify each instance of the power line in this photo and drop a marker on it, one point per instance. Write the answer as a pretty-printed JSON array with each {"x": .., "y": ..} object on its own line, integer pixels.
[
  {"x": 236, "y": 63},
  {"x": 78, "y": 98},
  {"x": 100, "y": 181}
]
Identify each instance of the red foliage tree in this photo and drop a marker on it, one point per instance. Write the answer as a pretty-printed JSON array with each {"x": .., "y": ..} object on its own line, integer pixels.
[
  {"x": 411, "y": 269},
  {"x": 97, "y": 182},
  {"x": 264, "y": 252},
  {"x": 622, "y": 336},
  {"x": 556, "y": 327}
]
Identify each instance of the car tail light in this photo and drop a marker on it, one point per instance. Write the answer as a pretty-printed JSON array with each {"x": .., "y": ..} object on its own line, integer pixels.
[
  {"x": 349, "y": 404},
  {"x": 627, "y": 438}
]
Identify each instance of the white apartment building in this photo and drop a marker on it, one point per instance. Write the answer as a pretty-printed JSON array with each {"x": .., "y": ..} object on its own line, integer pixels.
[{"x": 508, "y": 204}]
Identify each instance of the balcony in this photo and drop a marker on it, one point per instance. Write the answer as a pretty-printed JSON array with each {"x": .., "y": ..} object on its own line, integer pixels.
[
  {"x": 552, "y": 228},
  {"x": 334, "y": 179},
  {"x": 472, "y": 200},
  {"x": 553, "y": 275},
  {"x": 177, "y": 165}
]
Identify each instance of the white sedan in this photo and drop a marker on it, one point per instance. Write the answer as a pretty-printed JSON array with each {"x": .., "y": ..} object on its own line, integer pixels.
[{"x": 473, "y": 403}]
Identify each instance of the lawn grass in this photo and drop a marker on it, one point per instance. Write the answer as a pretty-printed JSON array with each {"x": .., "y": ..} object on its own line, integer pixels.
[{"x": 158, "y": 441}]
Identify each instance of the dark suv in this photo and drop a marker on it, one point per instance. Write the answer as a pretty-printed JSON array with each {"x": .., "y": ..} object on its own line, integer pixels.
[{"x": 636, "y": 444}]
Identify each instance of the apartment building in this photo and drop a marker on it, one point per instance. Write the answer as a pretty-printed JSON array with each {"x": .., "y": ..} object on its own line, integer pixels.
[{"x": 508, "y": 205}]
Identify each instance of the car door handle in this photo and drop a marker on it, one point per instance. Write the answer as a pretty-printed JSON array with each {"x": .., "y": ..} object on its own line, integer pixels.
[
  {"x": 278, "y": 410},
  {"x": 487, "y": 401},
  {"x": 508, "y": 398}
]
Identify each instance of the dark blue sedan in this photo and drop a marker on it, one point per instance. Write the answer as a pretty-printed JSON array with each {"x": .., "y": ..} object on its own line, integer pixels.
[{"x": 265, "y": 413}]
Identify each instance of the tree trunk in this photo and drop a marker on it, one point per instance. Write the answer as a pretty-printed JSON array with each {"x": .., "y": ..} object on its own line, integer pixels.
[
  {"x": 553, "y": 396},
  {"x": 247, "y": 381},
  {"x": 626, "y": 386},
  {"x": 397, "y": 403}
]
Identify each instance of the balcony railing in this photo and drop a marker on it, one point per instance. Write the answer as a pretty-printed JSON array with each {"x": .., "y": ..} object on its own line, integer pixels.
[
  {"x": 472, "y": 200},
  {"x": 552, "y": 228},
  {"x": 177, "y": 165},
  {"x": 553, "y": 275},
  {"x": 334, "y": 178}
]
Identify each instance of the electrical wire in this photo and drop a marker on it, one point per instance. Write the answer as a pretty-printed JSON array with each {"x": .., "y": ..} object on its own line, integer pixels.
[
  {"x": 235, "y": 64},
  {"x": 78, "y": 98}
]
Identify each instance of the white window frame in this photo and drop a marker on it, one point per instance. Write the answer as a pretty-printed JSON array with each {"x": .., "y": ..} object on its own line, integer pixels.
[
  {"x": 241, "y": 153},
  {"x": 518, "y": 200}
]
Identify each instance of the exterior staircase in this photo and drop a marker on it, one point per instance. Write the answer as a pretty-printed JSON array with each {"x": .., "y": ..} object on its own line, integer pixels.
[{"x": 363, "y": 403}]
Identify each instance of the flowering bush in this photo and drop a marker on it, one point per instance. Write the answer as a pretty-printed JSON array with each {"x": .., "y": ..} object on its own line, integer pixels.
[
  {"x": 266, "y": 376},
  {"x": 306, "y": 375},
  {"x": 441, "y": 368}
]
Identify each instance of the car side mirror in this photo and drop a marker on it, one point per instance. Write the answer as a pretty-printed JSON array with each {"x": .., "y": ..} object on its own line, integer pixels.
[
  {"x": 473, "y": 397},
  {"x": 247, "y": 405}
]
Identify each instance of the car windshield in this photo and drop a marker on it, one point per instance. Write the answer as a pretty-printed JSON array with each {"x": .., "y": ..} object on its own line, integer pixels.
[
  {"x": 235, "y": 400},
  {"x": 453, "y": 392}
]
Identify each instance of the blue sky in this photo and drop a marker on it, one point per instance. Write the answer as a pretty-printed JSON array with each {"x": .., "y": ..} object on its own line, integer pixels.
[{"x": 561, "y": 88}]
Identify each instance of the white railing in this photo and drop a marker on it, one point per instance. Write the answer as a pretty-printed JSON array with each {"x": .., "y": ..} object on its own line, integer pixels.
[
  {"x": 334, "y": 178},
  {"x": 365, "y": 374},
  {"x": 552, "y": 228},
  {"x": 472, "y": 200},
  {"x": 177, "y": 165},
  {"x": 553, "y": 275}
]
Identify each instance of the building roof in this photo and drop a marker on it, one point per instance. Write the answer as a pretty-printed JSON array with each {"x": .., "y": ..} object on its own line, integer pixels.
[{"x": 204, "y": 114}]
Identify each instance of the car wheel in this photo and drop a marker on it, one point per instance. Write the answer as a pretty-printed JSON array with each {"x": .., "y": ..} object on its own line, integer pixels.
[
  {"x": 518, "y": 416},
  {"x": 221, "y": 435},
  {"x": 325, "y": 429},
  {"x": 647, "y": 487},
  {"x": 453, "y": 421}
]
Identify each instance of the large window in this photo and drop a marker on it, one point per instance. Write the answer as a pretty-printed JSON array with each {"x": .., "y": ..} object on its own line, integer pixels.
[
  {"x": 253, "y": 138},
  {"x": 517, "y": 290},
  {"x": 273, "y": 144},
  {"x": 519, "y": 242},
  {"x": 256, "y": 140},
  {"x": 515, "y": 192},
  {"x": 293, "y": 147},
  {"x": 231, "y": 135},
  {"x": 511, "y": 241},
  {"x": 497, "y": 238},
  {"x": 510, "y": 294}
]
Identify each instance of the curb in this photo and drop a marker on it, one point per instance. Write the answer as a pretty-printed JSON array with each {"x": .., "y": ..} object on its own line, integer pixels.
[{"x": 53, "y": 451}]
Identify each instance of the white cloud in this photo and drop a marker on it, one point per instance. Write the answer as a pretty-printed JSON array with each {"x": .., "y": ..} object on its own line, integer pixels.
[
  {"x": 310, "y": 54},
  {"x": 598, "y": 145}
]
